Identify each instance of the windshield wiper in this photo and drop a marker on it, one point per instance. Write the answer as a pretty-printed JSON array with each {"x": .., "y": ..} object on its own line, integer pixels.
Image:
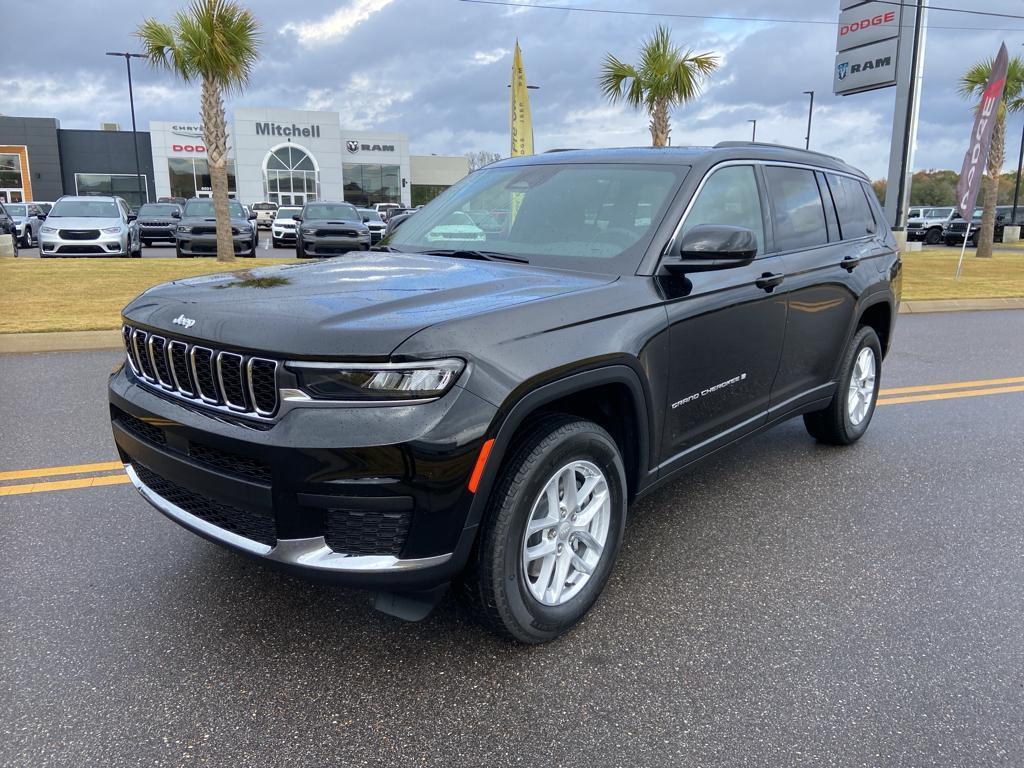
[
  {"x": 387, "y": 248},
  {"x": 482, "y": 255}
]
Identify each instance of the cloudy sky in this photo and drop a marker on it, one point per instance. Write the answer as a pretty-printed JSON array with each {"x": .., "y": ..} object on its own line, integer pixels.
[{"x": 437, "y": 69}]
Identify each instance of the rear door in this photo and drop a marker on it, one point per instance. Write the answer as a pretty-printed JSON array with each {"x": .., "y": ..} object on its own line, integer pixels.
[
  {"x": 829, "y": 260},
  {"x": 725, "y": 330}
]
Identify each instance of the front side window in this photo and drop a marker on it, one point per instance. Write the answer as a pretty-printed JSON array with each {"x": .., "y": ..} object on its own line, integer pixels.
[
  {"x": 592, "y": 216},
  {"x": 855, "y": 218},
  {"x": 796, "y": 204},
  {"x": 336, "y": 211},
  {"x": 729, "y": 196},
  {"x": 938, "y": 213}
]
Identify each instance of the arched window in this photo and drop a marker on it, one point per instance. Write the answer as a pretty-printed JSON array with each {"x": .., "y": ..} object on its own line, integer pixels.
[{"x": 290, "y": 175}]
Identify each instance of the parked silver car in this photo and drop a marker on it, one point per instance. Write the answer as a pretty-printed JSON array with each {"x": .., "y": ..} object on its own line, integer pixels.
[
  {"x": 90, "y": 226},
  {"x": 28, "y": 218}
]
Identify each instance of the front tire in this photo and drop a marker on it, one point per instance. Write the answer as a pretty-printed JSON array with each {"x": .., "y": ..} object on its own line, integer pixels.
[
  {"x": 845, "y": 420},
  {"x": 551, "y": 533},
  {"x": 933, "y": 236}
]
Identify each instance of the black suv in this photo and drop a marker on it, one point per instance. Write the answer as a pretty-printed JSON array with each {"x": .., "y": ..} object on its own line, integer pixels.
[
  {"x": 196, "y": 233},
  {"x": 329, "y": 229},
  {"x": 482, "y": 412},
  {"x": 158, "y": 222}
]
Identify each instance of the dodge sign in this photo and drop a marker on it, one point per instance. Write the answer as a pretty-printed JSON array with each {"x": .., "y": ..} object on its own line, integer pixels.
[{"x": 867, "y": 23}]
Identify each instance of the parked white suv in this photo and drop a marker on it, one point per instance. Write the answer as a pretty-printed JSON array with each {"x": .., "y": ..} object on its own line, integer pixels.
[
  {"x": 90, "y": 226},
  {"x": 927, "y": 223}
]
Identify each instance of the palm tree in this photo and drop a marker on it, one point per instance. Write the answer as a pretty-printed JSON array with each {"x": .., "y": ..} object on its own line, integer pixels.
[
  {"x": 216, "y": 43},
  {"x": 665, "y": 78},
  {"x": 972, "y": 84}
]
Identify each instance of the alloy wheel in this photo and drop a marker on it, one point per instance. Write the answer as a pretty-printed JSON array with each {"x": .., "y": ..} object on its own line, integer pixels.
[{"x": 862, "y": 386}]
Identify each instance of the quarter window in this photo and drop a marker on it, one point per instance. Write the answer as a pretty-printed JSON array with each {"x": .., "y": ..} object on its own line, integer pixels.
[
  {"x": 796, "y": 202},
  {"x": 855, "y": 219},
  {"x": 729, "y": 196}
]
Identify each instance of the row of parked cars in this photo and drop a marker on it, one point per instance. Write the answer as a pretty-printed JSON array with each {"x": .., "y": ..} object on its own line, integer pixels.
[{"x": 944, "y": 224}]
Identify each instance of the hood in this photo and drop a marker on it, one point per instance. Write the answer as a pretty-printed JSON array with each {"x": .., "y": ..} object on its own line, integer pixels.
[
  {"x": 235, "y": 220},
  {"x": 81, "y": 222},
  {"x": 346, "y": 307},
  {"x": 162, "y": 219}
]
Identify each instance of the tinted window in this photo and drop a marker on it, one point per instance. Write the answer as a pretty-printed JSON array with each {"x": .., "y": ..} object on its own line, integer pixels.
[
  {"x": 796, "y": 202},
  {"x": 855, "y": 219},
  {"x": 339, "y": 211},
  {"x": 729, "y": 196},
  {"x": 264, "y": 206}
]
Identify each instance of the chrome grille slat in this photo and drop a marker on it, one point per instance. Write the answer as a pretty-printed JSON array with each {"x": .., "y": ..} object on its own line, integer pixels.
[{"x": 225, "y": 381}]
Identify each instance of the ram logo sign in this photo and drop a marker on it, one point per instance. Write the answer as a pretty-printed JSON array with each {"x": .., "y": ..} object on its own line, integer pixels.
[{"x": 866, "y": 68}]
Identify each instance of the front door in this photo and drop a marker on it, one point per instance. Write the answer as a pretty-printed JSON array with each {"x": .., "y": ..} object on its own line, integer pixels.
[{"x": 725, "y": 329}]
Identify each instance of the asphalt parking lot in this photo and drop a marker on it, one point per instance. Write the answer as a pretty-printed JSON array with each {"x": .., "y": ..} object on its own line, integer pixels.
[{"x": 785, "y": 604}]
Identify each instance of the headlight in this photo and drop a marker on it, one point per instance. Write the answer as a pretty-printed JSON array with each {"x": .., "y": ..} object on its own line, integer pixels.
[
  {"x": 48, "y": 230},
  {"x": 373, "y": 381},
  {"x": 111, "y": 230},
  {"x": 185, "y": 228}
]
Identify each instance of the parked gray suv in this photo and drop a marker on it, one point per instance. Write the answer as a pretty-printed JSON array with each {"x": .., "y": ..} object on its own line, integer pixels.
[
  {"x": 330, "y": 229},
  {"x": 197, "y": 230},
  {"x": 28, "y": 218},
  {"x": 90, "y": 226}
]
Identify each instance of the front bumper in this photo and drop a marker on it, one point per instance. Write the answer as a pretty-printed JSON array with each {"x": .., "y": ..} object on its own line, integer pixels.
[
  {"x": 332, "y": 246},
  {"x": 283, "y": 235},
  {"x": 206, "y": 245},
  {"x": 318, "y": 492},
  {"x": 164, "y": 232},
  {"x": 106, "y": 245}
]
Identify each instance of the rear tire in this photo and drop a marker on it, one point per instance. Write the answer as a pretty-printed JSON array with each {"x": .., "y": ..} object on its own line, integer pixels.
[
  {"x": 536, "y": 600},
  {"x": 845, "y": 420}
]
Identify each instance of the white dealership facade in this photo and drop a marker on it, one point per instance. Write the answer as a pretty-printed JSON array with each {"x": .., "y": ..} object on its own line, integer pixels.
[{"x": 292, "y": 156}]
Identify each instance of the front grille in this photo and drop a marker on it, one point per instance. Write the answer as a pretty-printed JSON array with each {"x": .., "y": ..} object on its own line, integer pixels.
[
  {"x": 155, "y": 224},
  {"x": 336, "y": 233},
  {"x": 914, "y": 225},
  {"x": 79, "y": 249},
  {"x": 241, "y": 383},
  {"x": 230, "y": 463},
  {"x": 244, "y": 522},
  {"x": 202, "y": 230},
  {"x": 79, "y": 234},
  {"x": 958, "y": 226},
  {"x": 141, "y": 429},
  {"x": 353, "y": 532}
]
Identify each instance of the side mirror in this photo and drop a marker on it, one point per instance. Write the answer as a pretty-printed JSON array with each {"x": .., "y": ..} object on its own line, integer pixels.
[
  {"x": 252, "y": 215},
  {"x": 713, "y": 246},
  {"x": 175, "y": 214},
  {"x": 41, "y": 216},
  {"x": 297, "y": 216},
  {"x": 132, "y": 217}
]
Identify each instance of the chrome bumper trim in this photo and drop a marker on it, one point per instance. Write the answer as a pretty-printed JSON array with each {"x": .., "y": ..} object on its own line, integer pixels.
[{"x": 310, "y": 553}]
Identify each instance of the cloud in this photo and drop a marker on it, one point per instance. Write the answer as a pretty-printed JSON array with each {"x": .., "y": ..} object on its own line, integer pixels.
[
  {"x": 489, "y": 57},
  {"x": 337, "y": 25}
]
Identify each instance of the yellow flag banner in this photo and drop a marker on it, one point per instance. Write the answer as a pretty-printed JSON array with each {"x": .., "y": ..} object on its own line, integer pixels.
[{"x": 520, "y": 119}]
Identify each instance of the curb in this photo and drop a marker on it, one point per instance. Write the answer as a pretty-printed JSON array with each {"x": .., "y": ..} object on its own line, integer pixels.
[{"x": 73, "y": 341}]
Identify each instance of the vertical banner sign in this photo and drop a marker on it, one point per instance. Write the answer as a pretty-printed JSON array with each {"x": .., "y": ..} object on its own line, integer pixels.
[
  {"x": 981, "y": 137},
  {"x": 521, "y": 122}
]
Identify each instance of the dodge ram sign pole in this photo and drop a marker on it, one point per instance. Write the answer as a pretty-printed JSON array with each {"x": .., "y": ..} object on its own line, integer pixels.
[{"x": 977, "y": 151}]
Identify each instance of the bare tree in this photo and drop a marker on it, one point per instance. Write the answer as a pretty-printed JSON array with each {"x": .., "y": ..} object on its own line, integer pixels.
[{"x": 481, "y": 158}]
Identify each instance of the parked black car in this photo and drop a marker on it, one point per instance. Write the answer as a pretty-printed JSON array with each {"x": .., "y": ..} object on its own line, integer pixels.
[
  {"x": 330, "y": 229},
  {"x": 9, "y": 227},
  {"x": 484, "y": 413},
  {"x": 158, "y": 222},
  {"x": 196, "y": 234}
]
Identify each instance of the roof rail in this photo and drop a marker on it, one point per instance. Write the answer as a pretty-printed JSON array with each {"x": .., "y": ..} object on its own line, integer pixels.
[
  {"x": 725, "y": 144},
  {"x": 560, "y": 149}
]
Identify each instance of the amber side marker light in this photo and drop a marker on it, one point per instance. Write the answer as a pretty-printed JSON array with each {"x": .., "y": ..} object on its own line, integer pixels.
[{"x": 478, "y": 470}]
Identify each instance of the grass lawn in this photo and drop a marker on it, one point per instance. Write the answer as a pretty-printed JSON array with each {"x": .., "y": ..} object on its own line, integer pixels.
[
  {"x": 929, "y": 274},
  {"x": 88, "y": 294}
]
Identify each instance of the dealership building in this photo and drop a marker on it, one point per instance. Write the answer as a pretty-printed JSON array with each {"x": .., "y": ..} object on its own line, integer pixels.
[{"x": 285, "y": 156}]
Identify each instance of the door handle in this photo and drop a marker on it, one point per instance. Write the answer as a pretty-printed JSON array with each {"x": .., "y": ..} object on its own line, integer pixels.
[
  {"x": 769, "y": 280},
  {"x": 850, "y": 263}
]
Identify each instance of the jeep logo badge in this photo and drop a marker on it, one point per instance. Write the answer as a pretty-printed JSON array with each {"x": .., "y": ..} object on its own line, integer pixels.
[{"x": 184, "y": 322}]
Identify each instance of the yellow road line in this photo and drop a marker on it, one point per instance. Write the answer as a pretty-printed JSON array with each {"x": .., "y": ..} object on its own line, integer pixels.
[
  {"x": 73, "y": 469},
  {"x": 949, "y": 395},
  {"x": 63, "y": 485},
  {"x": 954, "y": 385}
]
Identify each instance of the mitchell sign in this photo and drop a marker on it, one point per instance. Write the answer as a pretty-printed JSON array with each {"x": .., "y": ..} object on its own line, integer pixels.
[{"x": 275, "y": 129}]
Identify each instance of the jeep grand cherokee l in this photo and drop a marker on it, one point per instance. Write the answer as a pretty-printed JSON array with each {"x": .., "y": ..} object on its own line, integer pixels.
[{"x": 483, "y": 413}]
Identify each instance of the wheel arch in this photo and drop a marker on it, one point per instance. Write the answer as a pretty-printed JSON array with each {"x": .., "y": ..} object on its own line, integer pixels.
[{"x": 879, "y": 315}]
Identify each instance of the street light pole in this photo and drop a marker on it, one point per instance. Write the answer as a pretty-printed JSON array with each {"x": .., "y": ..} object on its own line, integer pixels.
[
  {"x": 131, "y": 100},
  {"x": 753, "y": 135},
  {"x": 810, "y": 114}
]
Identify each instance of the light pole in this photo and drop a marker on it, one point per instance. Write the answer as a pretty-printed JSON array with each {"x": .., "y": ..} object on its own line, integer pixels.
[
  {"x": 753, "y": 133},
  {"x": 131, "y": 100},
  {"x": 1016, "y": 186},
  {"x": 810, "y": 114}
]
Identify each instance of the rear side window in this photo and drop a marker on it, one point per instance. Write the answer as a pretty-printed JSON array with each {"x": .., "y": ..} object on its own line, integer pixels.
[
  {"x": 796, "y": 203},
  {"x": 729, "y": 196},
  {"x": 855, "y": 219}
]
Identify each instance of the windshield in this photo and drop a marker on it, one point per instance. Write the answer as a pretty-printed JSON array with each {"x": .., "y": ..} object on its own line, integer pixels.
[
  {"x": 287, "y": 213},
  {"x": 90, "y": 209},
  {"x": 204, "y": 209},
  {"x": 264, "y": 206},
  {"x": 370, "y": 215},
  {"x": 339, "y": 211},
  {"x": 157, "y": 209},
  {"x": 573, "y": 215},
  {"x": 937, "y": 213},
  {"x": 17, "y": 209}
]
